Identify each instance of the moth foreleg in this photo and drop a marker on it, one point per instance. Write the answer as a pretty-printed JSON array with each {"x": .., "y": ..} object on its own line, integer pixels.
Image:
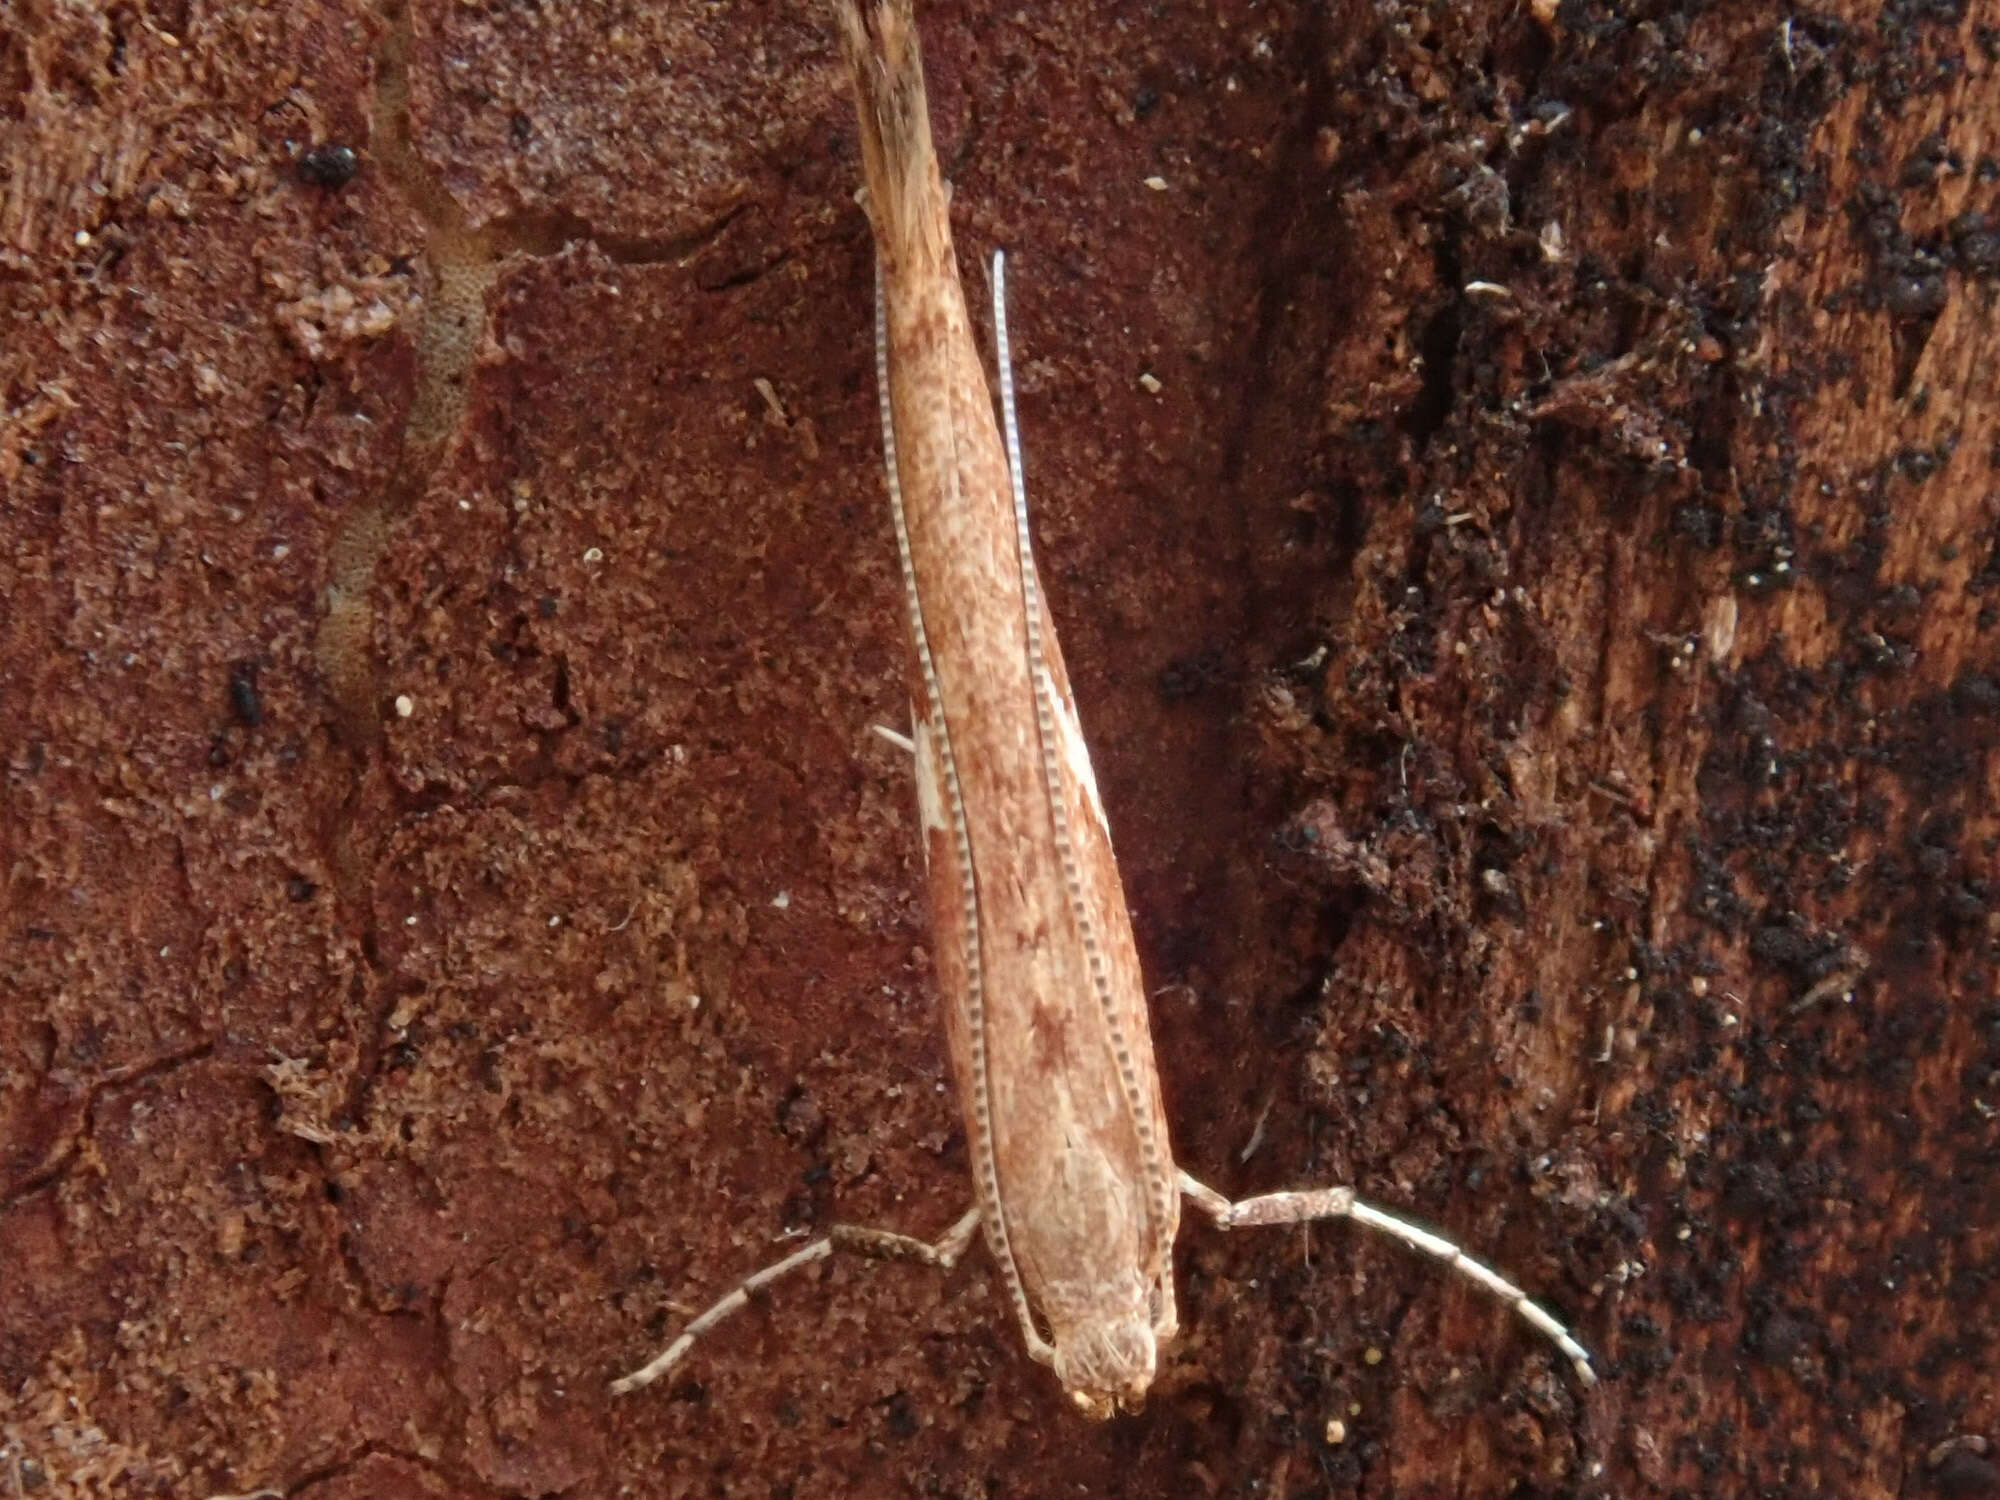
[
  {"x": 894, "y": 737},
  {"x": 1341, "y": 1203},
  {"x": 855, "y": 1239}
]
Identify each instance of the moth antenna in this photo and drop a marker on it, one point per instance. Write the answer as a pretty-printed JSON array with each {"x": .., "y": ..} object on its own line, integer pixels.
[
  {"x": 1159, "y": 1181},
  {"x": 1010, "y": 424}
]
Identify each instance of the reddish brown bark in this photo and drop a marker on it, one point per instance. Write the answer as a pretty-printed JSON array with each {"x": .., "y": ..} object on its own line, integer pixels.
[{"x": 1538, "y": 645}]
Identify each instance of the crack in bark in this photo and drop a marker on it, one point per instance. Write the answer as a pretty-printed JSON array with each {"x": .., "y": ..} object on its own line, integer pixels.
[
  {"x": 60, "y": 1157},
  {"x": 340, "y": 1468},
  {"x": 465, "y": 261}
]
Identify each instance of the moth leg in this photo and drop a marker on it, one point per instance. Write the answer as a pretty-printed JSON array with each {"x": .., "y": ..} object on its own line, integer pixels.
[
  {"x": 1166, "y": 1314},
  {"x": 874, "y": 1244},
  {"x": 894, "y": 737},
  {"x": 1341, "y": 1203}
]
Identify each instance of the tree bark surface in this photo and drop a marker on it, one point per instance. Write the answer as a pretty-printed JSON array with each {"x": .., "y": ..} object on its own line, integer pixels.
[{"x": 1520, "y": 490}]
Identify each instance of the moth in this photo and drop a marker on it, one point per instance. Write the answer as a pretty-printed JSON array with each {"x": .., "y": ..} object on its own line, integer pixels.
[{"x": 1074, "y": 1185}]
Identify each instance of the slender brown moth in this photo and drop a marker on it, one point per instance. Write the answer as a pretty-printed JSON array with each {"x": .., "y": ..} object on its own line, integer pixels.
[{"x": 1074, "y": 1185}]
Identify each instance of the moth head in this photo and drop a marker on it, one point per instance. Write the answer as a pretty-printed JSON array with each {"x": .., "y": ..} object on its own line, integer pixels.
[{"x": 1106, "y": 1364}]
